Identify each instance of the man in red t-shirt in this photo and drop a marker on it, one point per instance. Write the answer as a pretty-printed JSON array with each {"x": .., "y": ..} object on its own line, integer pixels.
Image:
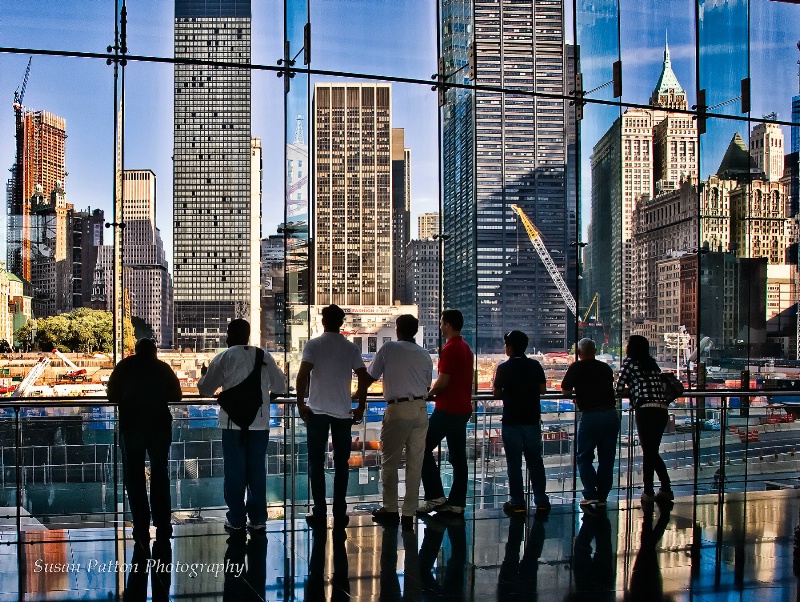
[{"x": 452, "y": 392}]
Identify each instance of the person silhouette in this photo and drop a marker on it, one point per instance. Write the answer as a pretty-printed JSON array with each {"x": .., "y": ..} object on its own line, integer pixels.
[
  {"x": 454, "y": 581},
  {"x": 646, "y": 582},
  {"x": 340, "y": 581},
  {"x": 594, "y": 570},
  {"x": 519, "y": 576},
  {"x": 250, "y": 584}
]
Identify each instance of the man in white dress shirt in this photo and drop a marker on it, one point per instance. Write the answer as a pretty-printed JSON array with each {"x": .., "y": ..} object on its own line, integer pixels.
[{"x": 407, "y": 372}]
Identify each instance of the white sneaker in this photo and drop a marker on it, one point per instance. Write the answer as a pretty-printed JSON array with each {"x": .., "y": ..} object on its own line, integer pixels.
[
  {"x": 451, "y": 509},
  {"x": 431, "y": 505}
]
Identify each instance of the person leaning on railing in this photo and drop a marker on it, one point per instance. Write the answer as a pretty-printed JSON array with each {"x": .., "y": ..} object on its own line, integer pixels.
[
  {"x": 143, "y": 386},
  {"x": 639, "y": 379},
  {"x": 593, "y": 383}
]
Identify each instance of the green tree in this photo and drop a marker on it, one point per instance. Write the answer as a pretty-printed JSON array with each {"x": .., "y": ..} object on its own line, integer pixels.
[
  {"x": 83, "y": 329},
  {"x": 141, "y": 329}
]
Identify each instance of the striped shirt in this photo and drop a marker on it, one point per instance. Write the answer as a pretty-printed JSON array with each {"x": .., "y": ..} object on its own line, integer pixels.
[{"x": 646, "y": 390}]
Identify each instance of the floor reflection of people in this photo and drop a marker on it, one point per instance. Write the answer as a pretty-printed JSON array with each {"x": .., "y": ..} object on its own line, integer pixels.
[
  {"x": 390, "y": 579},
  {"x": 250, "y": 553},
  {"x": 340, "y": 581},
  {"x": 518, "y": 576},
  {"x": 593, "y": 568},
  {"x": 646, "y": 582},
  {"x": 145, "y": 564},
  {"x": 453, "y": 582}
]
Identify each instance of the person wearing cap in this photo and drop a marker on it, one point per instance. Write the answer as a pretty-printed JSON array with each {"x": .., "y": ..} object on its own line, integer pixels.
[
  {"x": 142, "y": 387},
  {"x": 324, "y": 377},
  {"x": 593, "y": 384},
  {"x": 452, "y": 393},
  {"x": 519, "y": 381},
  {"x": 407, "y": 372}
]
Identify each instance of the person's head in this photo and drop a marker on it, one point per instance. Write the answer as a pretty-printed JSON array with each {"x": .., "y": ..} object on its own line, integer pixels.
[
  {"x": 516, "y": 342},
  {"x": 145, "y": 348},
  {"x": 586, "y": 349},
  {"x": 238, "y": 332},
  {"x": 451, "y": 323},
  {"x": 406, "y": 327},
  {"x": 332, "y": 318},
  {"x": 638, "y": 348}
]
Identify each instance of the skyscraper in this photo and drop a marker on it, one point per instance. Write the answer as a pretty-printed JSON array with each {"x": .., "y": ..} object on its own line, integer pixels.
[
  {"x": 423, "y": 287},
  {"x": 645, "y": 152},
  {"x": 215, "y": 241},
  {"x": 491, "y": 271},
  {"x": 353, "y": 202},
  {"x": 401, "y": 211},
  {"x": 39, "y": 168},
  {"x": 428, "y": 225},
  {"x": 147, "y": 280},
  {"x": 87, "y": 238}
]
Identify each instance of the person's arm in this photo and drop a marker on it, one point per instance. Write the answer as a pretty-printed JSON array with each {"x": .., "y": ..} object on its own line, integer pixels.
[
  {"x": 213, "y": 379},
  {"x": 301, "y": 387},
  {"x": 542, "y": 378},
  {"x": 440, "y": 385},
  {"x": 114, "y": 388},
  {"x": 175, "y": 392},
  {"x": 623, "y": 380},
  {"x": 497, "y": 384},
  {"x": 364, "y": 381},
  {"x": 277, "y": 380},
  {"x": 566, "y": 382}
]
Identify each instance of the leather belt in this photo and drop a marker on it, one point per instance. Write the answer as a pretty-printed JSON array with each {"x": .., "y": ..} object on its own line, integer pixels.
[{"x": 401, "y": 399}]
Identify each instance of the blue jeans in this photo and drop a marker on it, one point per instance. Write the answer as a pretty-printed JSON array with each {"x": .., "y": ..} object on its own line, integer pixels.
[
  {"x": 519, "y": 440},
  {"x": 453, "y": 427},
  {"x": 317, "y": 429},
  {"x": 155, "y": 444},
  {"x": 597, "y": 430},
  {"x": 245, "y": 468}
]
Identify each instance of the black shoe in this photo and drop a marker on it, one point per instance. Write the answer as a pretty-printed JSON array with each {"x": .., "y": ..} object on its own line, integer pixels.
[
  {"x": 317, "y": 521},
  {"x": 514, "y": 510},
  {"x": 407, "y": 523},
  {"x": 543, "y": 508},
  {"x": 386, "y": 517}
]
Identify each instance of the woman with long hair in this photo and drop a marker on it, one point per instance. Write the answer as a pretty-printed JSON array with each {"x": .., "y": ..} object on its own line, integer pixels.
[{"x": 639, "y": 379}]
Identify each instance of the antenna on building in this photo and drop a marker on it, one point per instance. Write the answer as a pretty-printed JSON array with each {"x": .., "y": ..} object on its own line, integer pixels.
[{"x": 298, "y": 131}]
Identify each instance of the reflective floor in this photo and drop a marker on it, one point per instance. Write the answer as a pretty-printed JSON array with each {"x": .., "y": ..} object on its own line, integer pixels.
[{"x": 696, "y": 550}]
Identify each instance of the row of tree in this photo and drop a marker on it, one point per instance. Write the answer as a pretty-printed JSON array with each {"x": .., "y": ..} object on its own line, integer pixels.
[{"x": 82, "y": 330}]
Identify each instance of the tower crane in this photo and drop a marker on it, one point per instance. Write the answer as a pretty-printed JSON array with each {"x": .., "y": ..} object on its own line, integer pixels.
[
  {"x": 558, "y": 280},
  {"x": 544, "y": 255},
  {"x": 19, "y": 93}
]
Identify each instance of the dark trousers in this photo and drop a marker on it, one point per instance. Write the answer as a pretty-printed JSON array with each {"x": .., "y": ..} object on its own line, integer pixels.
[
  {"x": 155, "y": 445},
  {"x": 317, "y": 429},
  {"x": 519, "y": 440},
  {"x": 244, "y": 461},
  {"x": 453, "y": 427},
  {"x": 650, "y": 424},
  {"x": 597, "y": 431}
]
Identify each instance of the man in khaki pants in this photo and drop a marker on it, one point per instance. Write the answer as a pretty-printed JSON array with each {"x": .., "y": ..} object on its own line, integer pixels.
[{"x": 407, "y": 372}]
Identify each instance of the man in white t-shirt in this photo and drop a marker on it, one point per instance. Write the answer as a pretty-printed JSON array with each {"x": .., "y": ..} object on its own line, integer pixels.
[
  {"x": 325, "y": 373},
  {"x": 407, "y": 372},
  {"x": 243, "y": 460}
]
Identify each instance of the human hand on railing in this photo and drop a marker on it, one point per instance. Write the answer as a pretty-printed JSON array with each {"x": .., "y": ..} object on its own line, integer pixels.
[{"x": 358, "y": 415}]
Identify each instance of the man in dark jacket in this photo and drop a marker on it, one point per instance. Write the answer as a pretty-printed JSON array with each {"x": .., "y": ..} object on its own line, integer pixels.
[{"x": 142, "y": 386}]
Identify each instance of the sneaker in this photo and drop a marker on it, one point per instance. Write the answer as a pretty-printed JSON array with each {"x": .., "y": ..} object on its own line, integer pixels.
[
  {"x": 513, "y": 509},
  {"x": 459, "y": 510},
  {"x": 600, "y": 505},
  {"x": 316, "y": 520},
  {"x": 382, "y": 515},
  {"x": 588, "y": 502},
  {"x": 257, "y": 527},
  {"x": 543, "y": 507},
  {"x": 407, "y": 523},
  {"x": 431, "y": 505},
  {"x": 664, "y": 495},
  {"x": 648, "y": 498}
]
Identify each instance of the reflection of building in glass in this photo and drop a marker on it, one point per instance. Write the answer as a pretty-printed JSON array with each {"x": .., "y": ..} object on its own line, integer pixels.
[
  {"x": 353, "y": 194},
  {"x": 422, "y": 287},
  {"x": 428, "y": 225},
  {"x": 645, "y": 153},
  {"x": 215, "y": 202},
  {"x": 146, "y": 275},
  {"x": 273, "y": 298},
  {"x": 87, "y": 237},
  {"x": 401, "y": 212},
  {"x": 491, "y": 272}
]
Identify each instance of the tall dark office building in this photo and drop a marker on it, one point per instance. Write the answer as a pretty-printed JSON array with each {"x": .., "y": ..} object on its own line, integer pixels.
[
  {"x": 216, "y": 237},
  {"x": 87, "y": 238},
  {"x": 401, "y": 213},
  {"x": 519, "y": 148}
]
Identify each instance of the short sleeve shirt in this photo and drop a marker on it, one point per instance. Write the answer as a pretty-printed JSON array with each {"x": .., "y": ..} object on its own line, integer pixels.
[
  {"x": 520, "y": 378},
  {"x": 334, "y": 359},
  {"x": 406, "y": 369},
  {"x": 593, "y": 383},
  {"x": 456, "y": 360}
]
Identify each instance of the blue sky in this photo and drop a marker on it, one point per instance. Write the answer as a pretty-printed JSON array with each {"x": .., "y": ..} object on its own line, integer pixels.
[{"x": 396, "y": 37}]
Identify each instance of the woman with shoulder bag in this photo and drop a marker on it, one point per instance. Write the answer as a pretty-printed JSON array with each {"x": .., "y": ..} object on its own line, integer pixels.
[{"x": 639, "y": 379}]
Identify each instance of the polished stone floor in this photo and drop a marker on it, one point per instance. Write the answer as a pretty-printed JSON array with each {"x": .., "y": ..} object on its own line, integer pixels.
[{"x": 697, "y": 550}]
